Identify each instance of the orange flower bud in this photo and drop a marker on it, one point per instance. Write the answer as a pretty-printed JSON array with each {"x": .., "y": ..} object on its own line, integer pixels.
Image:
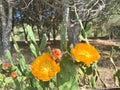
[
  {"x": 56, "y": 53},
  {"x": 7, "y": 65},
  {"x": 14, "y": 74}
]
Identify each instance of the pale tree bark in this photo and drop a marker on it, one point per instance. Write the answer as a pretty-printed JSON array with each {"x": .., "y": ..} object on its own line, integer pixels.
[
  {"x": 6, "y": 20},
  {"x": 73, "y": 27},
  {"x": 86, "y": 10},
  {"x": 1, "y": 44},
  {"x": 66, "y": 16}
]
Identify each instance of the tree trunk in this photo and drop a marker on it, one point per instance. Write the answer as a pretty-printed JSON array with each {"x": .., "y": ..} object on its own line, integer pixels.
[
  {"x": 1, "y": 44},
  {"x": 73, "y": 27},
  {"x": 73, "y": 33},
  {"x": 6, "y": 19}
]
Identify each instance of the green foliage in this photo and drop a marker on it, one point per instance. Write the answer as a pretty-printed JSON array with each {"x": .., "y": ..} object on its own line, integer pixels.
[
  {"x": 43, "y": 42},
  {"x": 30, "y": 33},
  {"x": 21, "y": 57},
  {"x": 88, "y": 27},
  {"x": 117, "y": 77},
  {"x": 93, "y": 82},
  {"x": 9, "y": 56},
  {"x": 33, "y": 49},
  {"x": 66, "y": 78},
  {"x": 1, "y": 80},
  {"x": 16, "y": 47},
  {"x": 63, "y": 33},
  {"x": 8, "y": 80},
  {"x": 89, "y": 70},
  {"x": 33, "y": 44},
  {"x": 83, "y": 35}
]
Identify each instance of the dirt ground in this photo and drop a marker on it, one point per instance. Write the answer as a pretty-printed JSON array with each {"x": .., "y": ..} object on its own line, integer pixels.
[{"x": 104, "y": 64}]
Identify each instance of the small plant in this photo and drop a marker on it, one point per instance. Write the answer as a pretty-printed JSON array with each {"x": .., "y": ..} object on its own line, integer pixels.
[{"x": 54, "y": 69}]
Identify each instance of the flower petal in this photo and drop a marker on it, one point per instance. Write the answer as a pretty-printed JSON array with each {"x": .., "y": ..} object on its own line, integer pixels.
[
  {"x": 85, "y": 53},
  {"x": 44, "y": 67}
]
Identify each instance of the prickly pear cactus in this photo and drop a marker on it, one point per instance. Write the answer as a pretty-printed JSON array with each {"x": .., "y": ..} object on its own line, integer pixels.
[{"x": 66, "y": 78}]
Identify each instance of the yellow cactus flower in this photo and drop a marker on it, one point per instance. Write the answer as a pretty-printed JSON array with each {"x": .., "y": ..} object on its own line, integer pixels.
[
  {"x": 44, "y": 67},
  {"x": 85, "y": 53}
]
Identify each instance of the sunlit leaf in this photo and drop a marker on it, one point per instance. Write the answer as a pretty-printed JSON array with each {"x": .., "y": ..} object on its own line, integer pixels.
[
  {"x": 8, "y": 80},
  {"x": 93, "y": 83},
  {"x": 33, "y": 50},
  {"x": 30, "y": 33},
  {"x": 9, "y": 56},
  {"x": 43, "y": 42}
]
